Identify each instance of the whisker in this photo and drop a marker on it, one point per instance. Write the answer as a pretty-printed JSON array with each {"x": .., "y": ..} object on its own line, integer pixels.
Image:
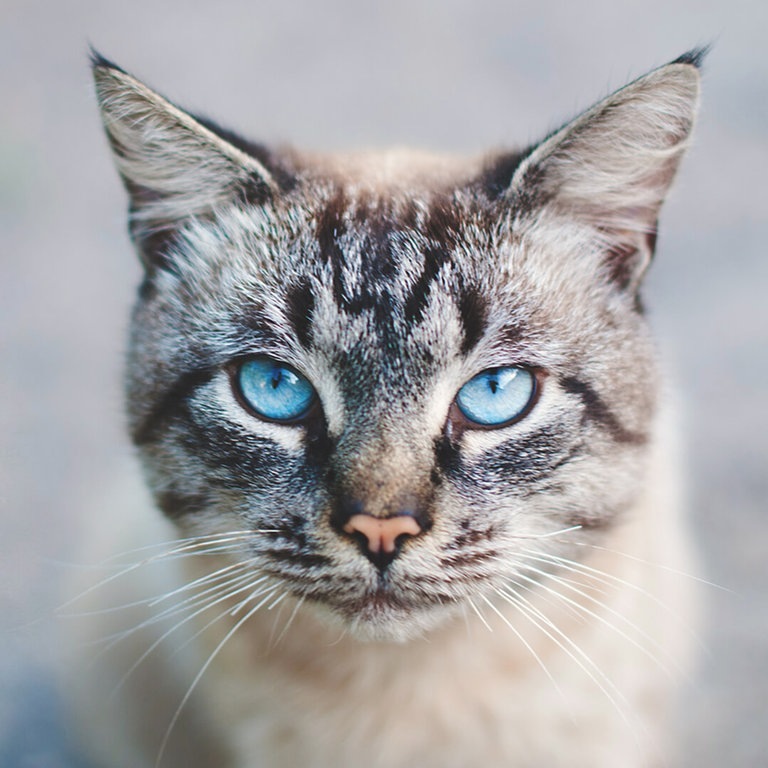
[
  {"x": 168, "y": 633},
  {"x": 229, "y": 611},
  {"x": 602, "y": 619},
  {"x": 199, "y": 675},
  {"x": 549, "y": 535},
  {"x": 252, "y": 594},
  {"x": 659, "y": 566},
  {"x": 479, "y": 614},
  {"x": 205, "y": 579},
  {"x": 608, "y": 688},
  {"x": 553, "y": 602},
  {"x": 609, "y": 579},
  {"x": 604, "y": 577},
  {"x": 187, "y": 550},
  {"x": 204, "y": 598},
  {"x": 157, "y": 599},
  {"x": 270, "y": 588},
  {"x": 465, "y": 614},
  {"x": 278, "y": 601},
  {"x": 191, "y": 542},
  {"x": 342, "y": 634},
  {"x": 274, "y": 642},
  {"x": 246, "y": 577},
  {"x": 528, "y": 646}
]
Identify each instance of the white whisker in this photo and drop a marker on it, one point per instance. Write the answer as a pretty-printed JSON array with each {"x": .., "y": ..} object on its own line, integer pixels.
[
  {"x": 659, "y": 566},
  {"x": 190, "y": 543},
  {"x": 227, "y": 612},
  {"x": 573, "y": 651},
  {"x": 603, "y": 577},
  {"x": 268, "y": 589},
  {"x": 479, "y": 614},
  {"x": 278, "y": 601},
  {"x": 609, "y": 579},
  {"x": 204, "y": 599},
  {"x": 205, "y": 579},
  {"x": 199, "y": 675},
  {"x": 274, "y": 642},
  {"x": 598, "y": 617},
  {"x": 548, "y": 535},
  {"x": 197, "y": 547},
  {"x": 527, "y": 646},
  {"x": 165, "y": 635}
]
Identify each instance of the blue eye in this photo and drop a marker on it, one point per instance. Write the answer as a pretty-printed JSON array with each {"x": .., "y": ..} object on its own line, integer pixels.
[
  {"x": 274, "y": 390},
  {"x": 497, "y": 396}
]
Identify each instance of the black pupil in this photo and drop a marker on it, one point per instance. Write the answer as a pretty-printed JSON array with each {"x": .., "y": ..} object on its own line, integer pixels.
[
  {"x": 277, "y": 377},
  {"x": 493, "y": 385}
]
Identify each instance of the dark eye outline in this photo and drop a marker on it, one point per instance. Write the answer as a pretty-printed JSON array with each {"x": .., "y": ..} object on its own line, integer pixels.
[
  {"x": 458, "y": 421},
  {"x": 235, "y": 367}
]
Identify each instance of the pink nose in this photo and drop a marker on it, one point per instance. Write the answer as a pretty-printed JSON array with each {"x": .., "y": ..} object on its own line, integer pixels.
[{"x": 381, "y": 533}]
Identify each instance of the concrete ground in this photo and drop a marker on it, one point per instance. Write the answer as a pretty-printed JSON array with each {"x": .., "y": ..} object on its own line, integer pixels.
[{"x": 446, "y": 75}]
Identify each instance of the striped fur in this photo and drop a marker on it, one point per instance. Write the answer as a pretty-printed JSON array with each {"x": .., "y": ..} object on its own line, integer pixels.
[{"x": 389, "y": 280}]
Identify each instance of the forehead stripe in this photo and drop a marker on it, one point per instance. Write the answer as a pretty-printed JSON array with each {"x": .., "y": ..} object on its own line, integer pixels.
[
  {"x": 473, "y": 313},
  {"x": 299, "y": 308}
]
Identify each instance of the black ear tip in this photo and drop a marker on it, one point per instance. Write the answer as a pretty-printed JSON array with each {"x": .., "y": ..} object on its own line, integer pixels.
[
  {"x": 695, "y": 57},
  {"x": 99, "y": 61}
]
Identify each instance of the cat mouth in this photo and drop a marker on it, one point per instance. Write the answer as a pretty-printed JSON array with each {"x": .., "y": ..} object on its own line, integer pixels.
[
  {"x": 385, "y": 615},
  {"x": 384, "y": 602},
  {"x": 382, "y": 599}
]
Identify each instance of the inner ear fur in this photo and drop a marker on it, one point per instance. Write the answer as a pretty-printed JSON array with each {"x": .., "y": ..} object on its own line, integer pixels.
[
  {"x": 172, "y": 165},
  {"x": 612, "y": 166}
]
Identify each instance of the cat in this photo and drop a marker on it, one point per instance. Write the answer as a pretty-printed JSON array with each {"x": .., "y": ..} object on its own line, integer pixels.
[{"x": 404, "y": 419}]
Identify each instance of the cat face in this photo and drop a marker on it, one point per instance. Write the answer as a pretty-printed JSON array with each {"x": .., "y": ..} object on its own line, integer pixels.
[{"x": 394, "y": 370}]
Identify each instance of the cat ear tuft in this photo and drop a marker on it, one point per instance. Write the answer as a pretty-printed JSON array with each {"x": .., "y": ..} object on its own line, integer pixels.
[
  {"x": 695, "y": 57},
  {"x": 173, "y": 166},
  {"x": 612, "y": 166}
]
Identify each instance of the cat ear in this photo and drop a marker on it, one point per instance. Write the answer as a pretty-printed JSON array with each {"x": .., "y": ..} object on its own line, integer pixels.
[
  {"x": 173, "y": 166},
  {"x": 612, "y": 166}
]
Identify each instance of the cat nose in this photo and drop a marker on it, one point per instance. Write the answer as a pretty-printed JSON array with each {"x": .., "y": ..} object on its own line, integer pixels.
[
  {"x": 378, "y": 531},
  {"x": 382, "y": 534}
]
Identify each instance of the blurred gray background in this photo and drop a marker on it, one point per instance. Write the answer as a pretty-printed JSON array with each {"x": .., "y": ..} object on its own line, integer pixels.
[{"x": 450, "y": 75}]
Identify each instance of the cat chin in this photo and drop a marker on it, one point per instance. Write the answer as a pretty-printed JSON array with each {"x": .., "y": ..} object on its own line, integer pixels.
[
  {"x": 374, "y": 623},
  {"x": 393, "y": 629}
]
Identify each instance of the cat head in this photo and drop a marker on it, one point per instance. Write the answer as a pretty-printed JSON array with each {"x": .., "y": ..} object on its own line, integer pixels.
[{"x": 394, "y": 369}]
